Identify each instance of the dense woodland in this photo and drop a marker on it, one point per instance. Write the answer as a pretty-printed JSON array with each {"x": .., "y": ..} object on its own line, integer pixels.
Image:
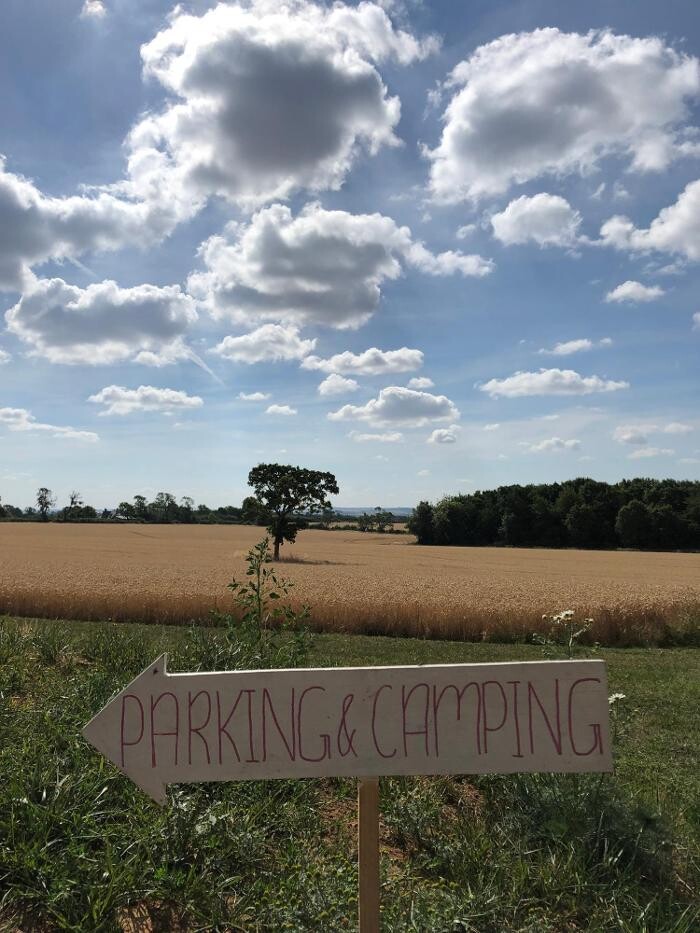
[{"x": 581, "y": 513}]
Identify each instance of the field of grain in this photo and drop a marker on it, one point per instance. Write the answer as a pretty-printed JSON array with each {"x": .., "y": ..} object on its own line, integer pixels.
[{"x": 352, "y": 581}]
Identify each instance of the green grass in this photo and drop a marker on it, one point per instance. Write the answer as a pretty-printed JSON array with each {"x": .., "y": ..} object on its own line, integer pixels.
[{"x": 81, "y": 849}]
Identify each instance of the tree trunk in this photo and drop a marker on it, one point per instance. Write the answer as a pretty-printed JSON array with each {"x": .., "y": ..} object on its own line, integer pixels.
[{"x": 276, "y": 555}]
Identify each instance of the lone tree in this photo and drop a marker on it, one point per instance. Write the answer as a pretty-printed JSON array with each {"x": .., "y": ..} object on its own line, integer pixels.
[
  {"x": 284, "y": 492},
  {"x": 45, "y": 501}
]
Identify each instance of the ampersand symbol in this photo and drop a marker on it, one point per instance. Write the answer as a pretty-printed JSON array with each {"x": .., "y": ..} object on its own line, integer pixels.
[{"x": 343, "y": 728}]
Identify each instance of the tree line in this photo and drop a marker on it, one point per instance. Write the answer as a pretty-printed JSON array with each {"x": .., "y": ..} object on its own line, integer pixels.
[
  {"x": 297, "y": 494},
  {"x": 285, "y": 498},
  {"x": 163, "y": 508},
  {"x": 582, "y": 513}
]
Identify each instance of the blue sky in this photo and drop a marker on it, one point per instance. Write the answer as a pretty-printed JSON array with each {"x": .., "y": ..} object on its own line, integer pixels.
[{"x": 452, "y": 245}]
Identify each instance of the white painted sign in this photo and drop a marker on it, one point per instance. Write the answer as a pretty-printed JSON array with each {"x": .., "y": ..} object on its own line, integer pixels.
[{"x": 356, "y": 722}]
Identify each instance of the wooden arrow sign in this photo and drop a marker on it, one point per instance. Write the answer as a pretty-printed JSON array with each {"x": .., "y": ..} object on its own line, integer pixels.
[{"x": 363, "y": 722}]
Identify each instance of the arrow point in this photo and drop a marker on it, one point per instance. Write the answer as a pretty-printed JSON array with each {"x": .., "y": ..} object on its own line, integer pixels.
[{"x": 104, "y": 728}]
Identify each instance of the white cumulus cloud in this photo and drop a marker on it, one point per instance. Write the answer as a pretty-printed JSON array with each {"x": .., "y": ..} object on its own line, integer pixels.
[
  {"x": 554, "y": 445},
  {"x": 444, "y": 435},
  {"x": 102, "y": 323},
  {"x": 93, "y": 9},
  {"x": 634, "y": 292},
  {"x": 465, "y": 231},
  {"x": 253, "y": 396},
  {"x": 285, "y": 410},
  {"x": 632, "y": 434},
  {"x": 676, "y": 230},
  {"x": 545, "y": 219},
  {"x": 269, "y": 343},
  {"x": 34, "y": 227},
  {"x": 549, "y": 382},
  {"x": 265, "y": 98},
  {"x": 399, "y": 406},
  {"x": 420, "y": 382},
  {"x": 118, "y": 400},
  {"x": 551, "y": 103},
  {"x": 4, "y": 357},
  {"x": 371, "y": 362},
  {"x": 448, "y": 263},
  {"x": 20, "y": 419},
  {"x": 321, "y": 267},
  {"x": 568, "y": 347},
  {"x": 337, "y": 385}
]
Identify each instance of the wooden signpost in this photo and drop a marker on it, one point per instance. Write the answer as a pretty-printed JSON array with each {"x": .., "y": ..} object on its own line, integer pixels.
[{"x": 357, "y": 722}]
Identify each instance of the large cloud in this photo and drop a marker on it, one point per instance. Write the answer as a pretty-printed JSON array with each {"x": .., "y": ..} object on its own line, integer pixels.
[
  {"x": 371, "y": 362},
  {"x": 549, "y": 382},
  {"x": 398, "y": 406},
  {"x": 34, "y": 228},
  {"x": 322, "y": 267},
  {"x": 545, "y": 219},
  {"x": 267, "y": 98},
  {"x": 118, "y": 400},
  {"x": 19, "y": 419},
  {"x": 548, "y": 102},
  {"x": 264, "y": 100},
  {"x": 676, "y": 230},
  {"x": 101, "y": 323},
  {"x": 269, "y": 343}
]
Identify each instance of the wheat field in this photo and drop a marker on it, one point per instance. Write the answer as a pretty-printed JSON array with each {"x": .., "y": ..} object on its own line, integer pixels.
[{"x": 371, "y": 583}]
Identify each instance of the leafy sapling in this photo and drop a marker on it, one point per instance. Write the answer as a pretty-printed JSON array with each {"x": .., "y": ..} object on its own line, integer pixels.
[{"x": 265, "y": 619}]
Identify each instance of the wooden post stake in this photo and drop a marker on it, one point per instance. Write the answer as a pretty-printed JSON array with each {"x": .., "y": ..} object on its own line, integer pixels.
[{"x": 368, "y": 853}]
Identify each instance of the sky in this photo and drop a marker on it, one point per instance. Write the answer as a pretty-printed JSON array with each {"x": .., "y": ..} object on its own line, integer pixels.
[{"x": 430, "y": 247}]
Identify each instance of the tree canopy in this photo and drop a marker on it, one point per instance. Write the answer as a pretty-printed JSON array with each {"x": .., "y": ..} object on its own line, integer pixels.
[
  {"x": 583, "y": 513},
  {"x": 284, "y": 492}
]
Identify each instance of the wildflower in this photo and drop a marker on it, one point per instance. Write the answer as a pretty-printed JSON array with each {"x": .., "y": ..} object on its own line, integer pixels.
[{"x": 615, "y": 697}]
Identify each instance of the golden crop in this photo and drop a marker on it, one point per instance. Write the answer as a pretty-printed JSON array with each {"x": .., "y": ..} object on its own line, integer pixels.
[{"x": 356, "y": 582}]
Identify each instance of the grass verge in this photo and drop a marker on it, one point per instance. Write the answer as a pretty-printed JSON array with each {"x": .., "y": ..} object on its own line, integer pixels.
[{"x": 82, "y": 849}]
